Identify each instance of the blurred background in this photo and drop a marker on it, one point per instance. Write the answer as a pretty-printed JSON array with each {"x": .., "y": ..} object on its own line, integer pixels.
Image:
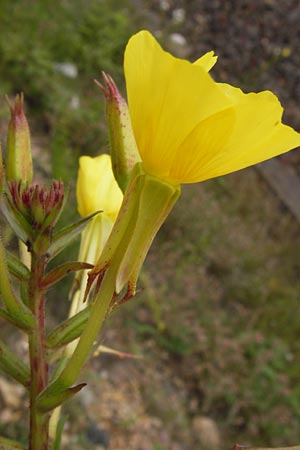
[{"x": 216, "y": 321}]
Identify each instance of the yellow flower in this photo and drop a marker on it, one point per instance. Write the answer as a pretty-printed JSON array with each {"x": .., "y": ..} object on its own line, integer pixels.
[
  {"x": 187, "y": 127},
  {"x": 97, "y": 190},
  {"x": 96, "y": 187}
]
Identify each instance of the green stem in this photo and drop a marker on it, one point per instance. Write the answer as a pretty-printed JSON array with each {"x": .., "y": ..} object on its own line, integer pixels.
[
  {"x": 81, "y": 353},
  {"x": 39, "y": 422},
  {"x": 87, "y": 339}
]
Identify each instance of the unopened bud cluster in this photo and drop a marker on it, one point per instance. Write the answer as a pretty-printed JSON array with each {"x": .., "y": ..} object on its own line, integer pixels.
[{"x": 39, "y": 205}]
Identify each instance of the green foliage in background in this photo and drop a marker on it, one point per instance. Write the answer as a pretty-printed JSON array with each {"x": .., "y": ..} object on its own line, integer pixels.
[{"x": 36, "y": 39}]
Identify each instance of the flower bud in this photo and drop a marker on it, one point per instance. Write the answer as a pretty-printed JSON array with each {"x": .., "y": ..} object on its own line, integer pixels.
[
  {"x": 18, "y": 151},
  {"x": 39, "y": 207},
  {"x": 123, "y": 149}
]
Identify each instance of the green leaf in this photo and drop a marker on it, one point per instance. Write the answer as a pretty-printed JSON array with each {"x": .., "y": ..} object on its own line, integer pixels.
[
  {"x": 16, "y": 267},
  {"x": 58, "y": 434},
  {"x": 16, "y": 220},
  {"x": 20, "y": 313},
  {"x": 61, "y": 271},
  {"x": 68, "y": 330},
  {"x": 64, "y": 237},
  {"x": 11, "y": 319},
  {"x": 46, "y": 403},
  {"x": 7, "y": 444},
  {"x": 13, "y": 366}
]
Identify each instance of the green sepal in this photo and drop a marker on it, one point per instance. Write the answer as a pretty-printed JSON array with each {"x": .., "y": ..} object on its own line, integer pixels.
[
  {"x": 13, "y": 366},
  {"x": 18, "y": 147},
  {"x": 7, "y": 444},
  {"x": 123, "y": 148},
  {"x": 47, "y": 402},
  {"x": 147, "y": 202},
  {"x": 154, "y": 203},
  {"x": 16, "y": 220},
  {"x": 68, "y": 330},
  {"x": 64, "y": 237},
  {"x": 63, "y": 270},
  {"x": 16, "y": 267},
  {"x": 22, "y": 316}
]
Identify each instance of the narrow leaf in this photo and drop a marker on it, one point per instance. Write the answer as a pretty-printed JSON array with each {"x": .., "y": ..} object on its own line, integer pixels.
[
  {"x": 58, "y": 434},
  {"x": 15, "y": 219},
  {"x": 13, "y": 366},
  {"x": 11, "y": 319},
  {"x": 20, "y": 313},
  {"x": 7, "y": 444},
  {"x": 64, "y": 237},
  {"x": 68, "y": 330},
  {"x": 46, "y": 403},
  {"x": 61, "y": 271},
  {"x": 16, "y": 267}
]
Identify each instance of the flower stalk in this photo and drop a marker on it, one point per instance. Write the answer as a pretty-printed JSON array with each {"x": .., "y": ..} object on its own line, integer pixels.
[
  {"x": 58, "y": 390},
  {"x": 38, "y": 435}
]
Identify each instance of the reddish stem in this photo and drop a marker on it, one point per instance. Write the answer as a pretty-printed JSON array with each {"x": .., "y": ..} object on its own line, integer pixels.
[{"x": 39, "y": 422}]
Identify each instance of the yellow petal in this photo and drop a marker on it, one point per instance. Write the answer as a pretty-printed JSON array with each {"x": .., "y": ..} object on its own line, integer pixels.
[
  {"x": 257, "y": 135},
  {"x": 96, "y": 187},
  {"x": 201, "y": 146},
  {"x": 189, "y": 128},
  {"x": 233, "y": 93},
  {"x": 167, "y": 98},
  {"x": 207, "y": 61}
]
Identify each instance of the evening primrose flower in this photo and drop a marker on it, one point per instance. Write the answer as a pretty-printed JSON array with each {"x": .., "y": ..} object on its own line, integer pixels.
[
  {"x": 187, "y": 127},
  {"x": 96, "y": 190}
]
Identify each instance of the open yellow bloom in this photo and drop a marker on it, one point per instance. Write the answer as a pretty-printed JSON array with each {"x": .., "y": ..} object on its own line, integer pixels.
[{"x": 187, "y": 127}]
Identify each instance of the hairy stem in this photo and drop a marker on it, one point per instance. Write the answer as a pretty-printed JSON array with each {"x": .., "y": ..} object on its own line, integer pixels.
[
  {"x": 39, "y": 422},
  {"x": 87, "y": 338},
  {"x": 68, "y": 376}
]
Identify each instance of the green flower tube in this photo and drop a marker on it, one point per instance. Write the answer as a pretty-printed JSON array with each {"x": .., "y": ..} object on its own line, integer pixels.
[{"x": 147, "y": 202}]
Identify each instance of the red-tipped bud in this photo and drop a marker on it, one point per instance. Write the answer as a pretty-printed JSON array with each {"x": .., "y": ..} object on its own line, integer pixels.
[
  {"x": 124, "y": 152},
  {"x": 40, "y": 205},
  {"x": 18, "y": 150}
]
